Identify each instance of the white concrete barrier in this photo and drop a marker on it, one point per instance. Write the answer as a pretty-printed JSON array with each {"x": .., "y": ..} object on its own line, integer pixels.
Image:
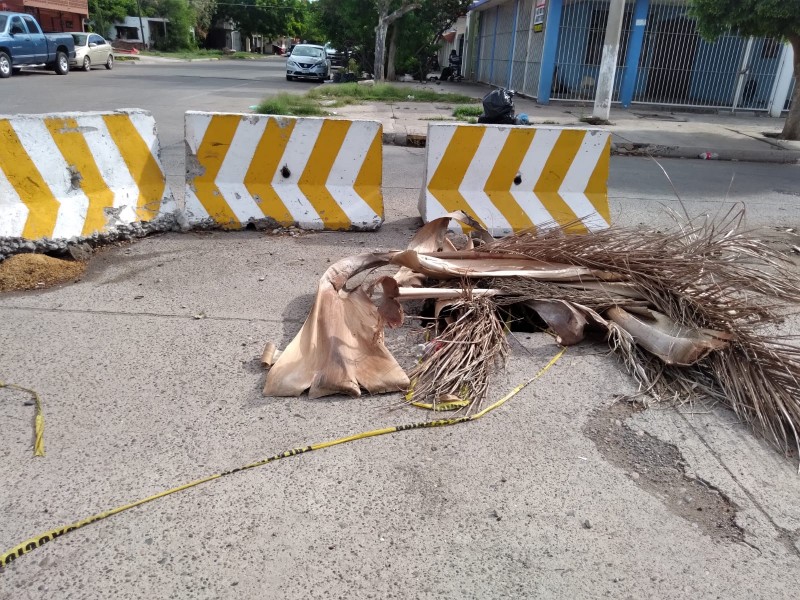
[
  {"x": 516, "y": 177},
  {"x": 74, "y": 174},
  {"x": 315, "y": 173}
]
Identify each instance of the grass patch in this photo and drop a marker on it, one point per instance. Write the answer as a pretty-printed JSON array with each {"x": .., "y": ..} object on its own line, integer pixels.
[
  {"x": 464, "y": 112},
  {"x": 437, "y": 119},
  {"x": 290, "y": 105},
  {"x": 190, "y": 54},
  {"x": 350, "y": 93}
]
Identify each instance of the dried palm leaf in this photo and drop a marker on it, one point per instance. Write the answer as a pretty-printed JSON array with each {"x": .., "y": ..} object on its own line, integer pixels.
[
  {"x": 340, "y": 348},
  {"x": 457, "y": 364}
]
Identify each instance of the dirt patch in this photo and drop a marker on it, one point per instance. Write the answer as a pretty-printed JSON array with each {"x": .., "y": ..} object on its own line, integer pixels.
[
  {"x": 37, "y": 271},
  {"x": 658, "y": 468}
]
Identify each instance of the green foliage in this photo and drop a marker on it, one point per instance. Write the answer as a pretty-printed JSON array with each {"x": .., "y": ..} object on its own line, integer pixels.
[
  {"x": 350, "y": 24},
  {"x": 310, "y": 23},
  {"x": 103, "y": 13},
  {"x": 462, "y": 112},
  {"x": 290, "y": 105},
  {"x": 271, "y": 18},
  {"x": 771, "y": 18},
  {"x": 421, "y": 32},
  {"x": 204, "y": 12},
  {"x": 181, "y": 19}
]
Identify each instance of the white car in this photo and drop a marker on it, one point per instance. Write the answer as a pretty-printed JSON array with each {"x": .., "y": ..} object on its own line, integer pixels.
[
  {"x": 308, "y": 61},
  {"x": 92, "y": 50}
]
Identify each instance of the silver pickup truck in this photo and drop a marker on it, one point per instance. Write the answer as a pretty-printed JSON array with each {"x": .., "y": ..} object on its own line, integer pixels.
[{"x": 22, "y": 43}]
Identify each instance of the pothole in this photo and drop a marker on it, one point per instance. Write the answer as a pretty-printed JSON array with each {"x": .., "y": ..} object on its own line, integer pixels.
[{"x": 659, "y": 468}]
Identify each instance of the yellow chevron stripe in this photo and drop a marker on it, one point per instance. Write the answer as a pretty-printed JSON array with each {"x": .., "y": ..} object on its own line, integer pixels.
[
  {"x": 368, "y": 183},
  {"x": 266, "y": 158},
  {"x": 501, "y": 179},
  {"x": 315, "y": 176},
  {"x": 553, "y": 174},
  {"x": 76, "y": 152},
  {"x": 454, "y": 164},
  {"x": 144, "y": 168},
  {"x": 22, "y": 173},
  {"x": 211, "y": 154},
  {"x": 597, "y": 187}
]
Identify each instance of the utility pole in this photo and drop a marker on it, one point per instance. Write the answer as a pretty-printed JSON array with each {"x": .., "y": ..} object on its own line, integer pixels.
[
  {"x": 608, "y": 63},
  {"x": 141, "y": 25}
]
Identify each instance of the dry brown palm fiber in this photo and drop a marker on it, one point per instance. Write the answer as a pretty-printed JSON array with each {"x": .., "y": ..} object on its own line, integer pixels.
[
  {"x": 705, "y": 277},
  {"x": 696, "y": 297},
  {"x": 457, "y": 364}
]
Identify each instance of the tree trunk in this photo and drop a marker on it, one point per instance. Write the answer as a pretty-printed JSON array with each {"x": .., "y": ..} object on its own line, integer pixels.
[
  {"x": 384, "y": 20},
  {"x": 791, "y": 129},
  {"x": 380, "y": 48},
  {"x": 391, "y": 75}
]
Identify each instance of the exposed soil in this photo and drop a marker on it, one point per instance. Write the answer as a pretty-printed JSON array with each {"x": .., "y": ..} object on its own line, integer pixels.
[
  {"x": 37, "y": 271},
  {"x": 658, "y": 468}
]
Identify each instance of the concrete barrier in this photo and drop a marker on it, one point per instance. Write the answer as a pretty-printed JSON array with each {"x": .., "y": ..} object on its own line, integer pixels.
[
  {"x": 75, "y": 174},
  {"x": 315, "y": 173},
  {"x": 513, "y": 177}
]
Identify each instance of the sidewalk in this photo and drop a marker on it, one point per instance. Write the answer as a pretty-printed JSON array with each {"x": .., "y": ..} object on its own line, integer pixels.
[{"x": 637, "y": 131}]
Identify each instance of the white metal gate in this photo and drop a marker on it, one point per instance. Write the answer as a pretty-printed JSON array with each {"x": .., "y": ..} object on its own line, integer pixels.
[
  {"x": 580, "y": 48},
  {"x": 679, "y": 68},
  {"x": 509, "y": 52}
]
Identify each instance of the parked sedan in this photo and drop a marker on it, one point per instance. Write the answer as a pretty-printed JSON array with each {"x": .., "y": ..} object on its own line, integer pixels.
[
  {"x": 308, "y": 61},
  {"x": 92, "y": 50}
]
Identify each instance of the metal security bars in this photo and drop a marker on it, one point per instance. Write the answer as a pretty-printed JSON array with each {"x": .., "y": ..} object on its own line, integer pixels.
[
  {"x": 580, "y": 49},
  {"x": 509, "y": 50},
  {"x": 679, "y": 68}
]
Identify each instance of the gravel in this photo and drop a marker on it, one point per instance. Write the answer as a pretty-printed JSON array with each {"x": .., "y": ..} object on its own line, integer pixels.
[{"x": 81, "y": 246}]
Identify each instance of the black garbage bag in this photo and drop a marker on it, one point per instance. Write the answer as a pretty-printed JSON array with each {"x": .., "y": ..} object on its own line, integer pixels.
[{"x": 498, "y": 107}]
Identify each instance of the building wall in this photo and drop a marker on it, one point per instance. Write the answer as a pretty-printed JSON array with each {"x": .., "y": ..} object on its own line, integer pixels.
[
  {"x": 53, "y": 15},
  {"x": 675, "y": 66}
]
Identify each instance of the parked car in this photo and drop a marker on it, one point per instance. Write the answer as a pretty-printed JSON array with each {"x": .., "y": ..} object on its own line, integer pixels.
[
  {"x": 308, "y": 61},
  {"x": 337, "y": 58},
  {"x": 92, "y": 50},
  {"x": 22, "y": 43}
]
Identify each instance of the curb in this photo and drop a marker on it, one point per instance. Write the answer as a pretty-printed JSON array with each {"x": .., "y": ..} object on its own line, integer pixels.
[
  {"x": 643, "y": 150},
  {"x": 694, "y": 152}
]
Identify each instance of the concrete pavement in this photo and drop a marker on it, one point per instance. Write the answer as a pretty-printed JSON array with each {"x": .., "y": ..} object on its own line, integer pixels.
[
  {"x": 639, "y": 131},
  {"x": 560, "y": 493}
]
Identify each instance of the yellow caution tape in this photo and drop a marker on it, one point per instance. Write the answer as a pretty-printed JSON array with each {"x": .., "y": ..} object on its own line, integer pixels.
[
  {"x": 31, "y": 544},
  {"x": 38, "y": 423}
]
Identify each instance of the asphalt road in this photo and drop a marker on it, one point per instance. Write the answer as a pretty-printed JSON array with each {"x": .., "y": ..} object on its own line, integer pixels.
[
  {"x": 639, "y": 191},
  {"x": 149, "y": 371}
]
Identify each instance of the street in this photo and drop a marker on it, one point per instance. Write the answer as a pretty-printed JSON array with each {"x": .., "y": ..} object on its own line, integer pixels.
[
  {"x": 638, "y": 190},
  {"x": 149, "y": 370}
]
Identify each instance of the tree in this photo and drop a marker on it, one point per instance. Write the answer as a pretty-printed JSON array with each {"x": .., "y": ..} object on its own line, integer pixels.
[
  {"x": 270, "y": 18},
  {"x": 181, "y": 19},
  {"x": 422, "y": 33},
  {"x": 104, "y": 13},
  {"x": 350, "y": 26},
  {"x": 386, "y": 18},
  {"x": 772, "y": 18},
  {"x": 204, "y": 12}
]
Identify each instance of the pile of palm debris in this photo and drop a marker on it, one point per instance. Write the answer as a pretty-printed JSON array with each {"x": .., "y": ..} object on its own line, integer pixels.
[{"x": 684, "y": 310}]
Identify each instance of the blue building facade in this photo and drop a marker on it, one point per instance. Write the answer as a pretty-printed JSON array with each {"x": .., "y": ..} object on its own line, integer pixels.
[{"x": 551, "y": 50}]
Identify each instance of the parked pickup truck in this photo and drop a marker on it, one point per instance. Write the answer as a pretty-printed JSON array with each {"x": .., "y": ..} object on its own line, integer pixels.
[{"x": 22, "y": 43}]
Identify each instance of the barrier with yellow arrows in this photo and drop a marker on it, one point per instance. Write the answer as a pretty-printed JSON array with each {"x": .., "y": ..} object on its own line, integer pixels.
[
  {"x": 316, "y": 173},
  {"x": 512, "y": 178}
]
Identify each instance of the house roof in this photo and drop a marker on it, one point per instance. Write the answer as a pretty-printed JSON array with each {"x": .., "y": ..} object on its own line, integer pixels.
[{"x": 484, "y": 4}]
